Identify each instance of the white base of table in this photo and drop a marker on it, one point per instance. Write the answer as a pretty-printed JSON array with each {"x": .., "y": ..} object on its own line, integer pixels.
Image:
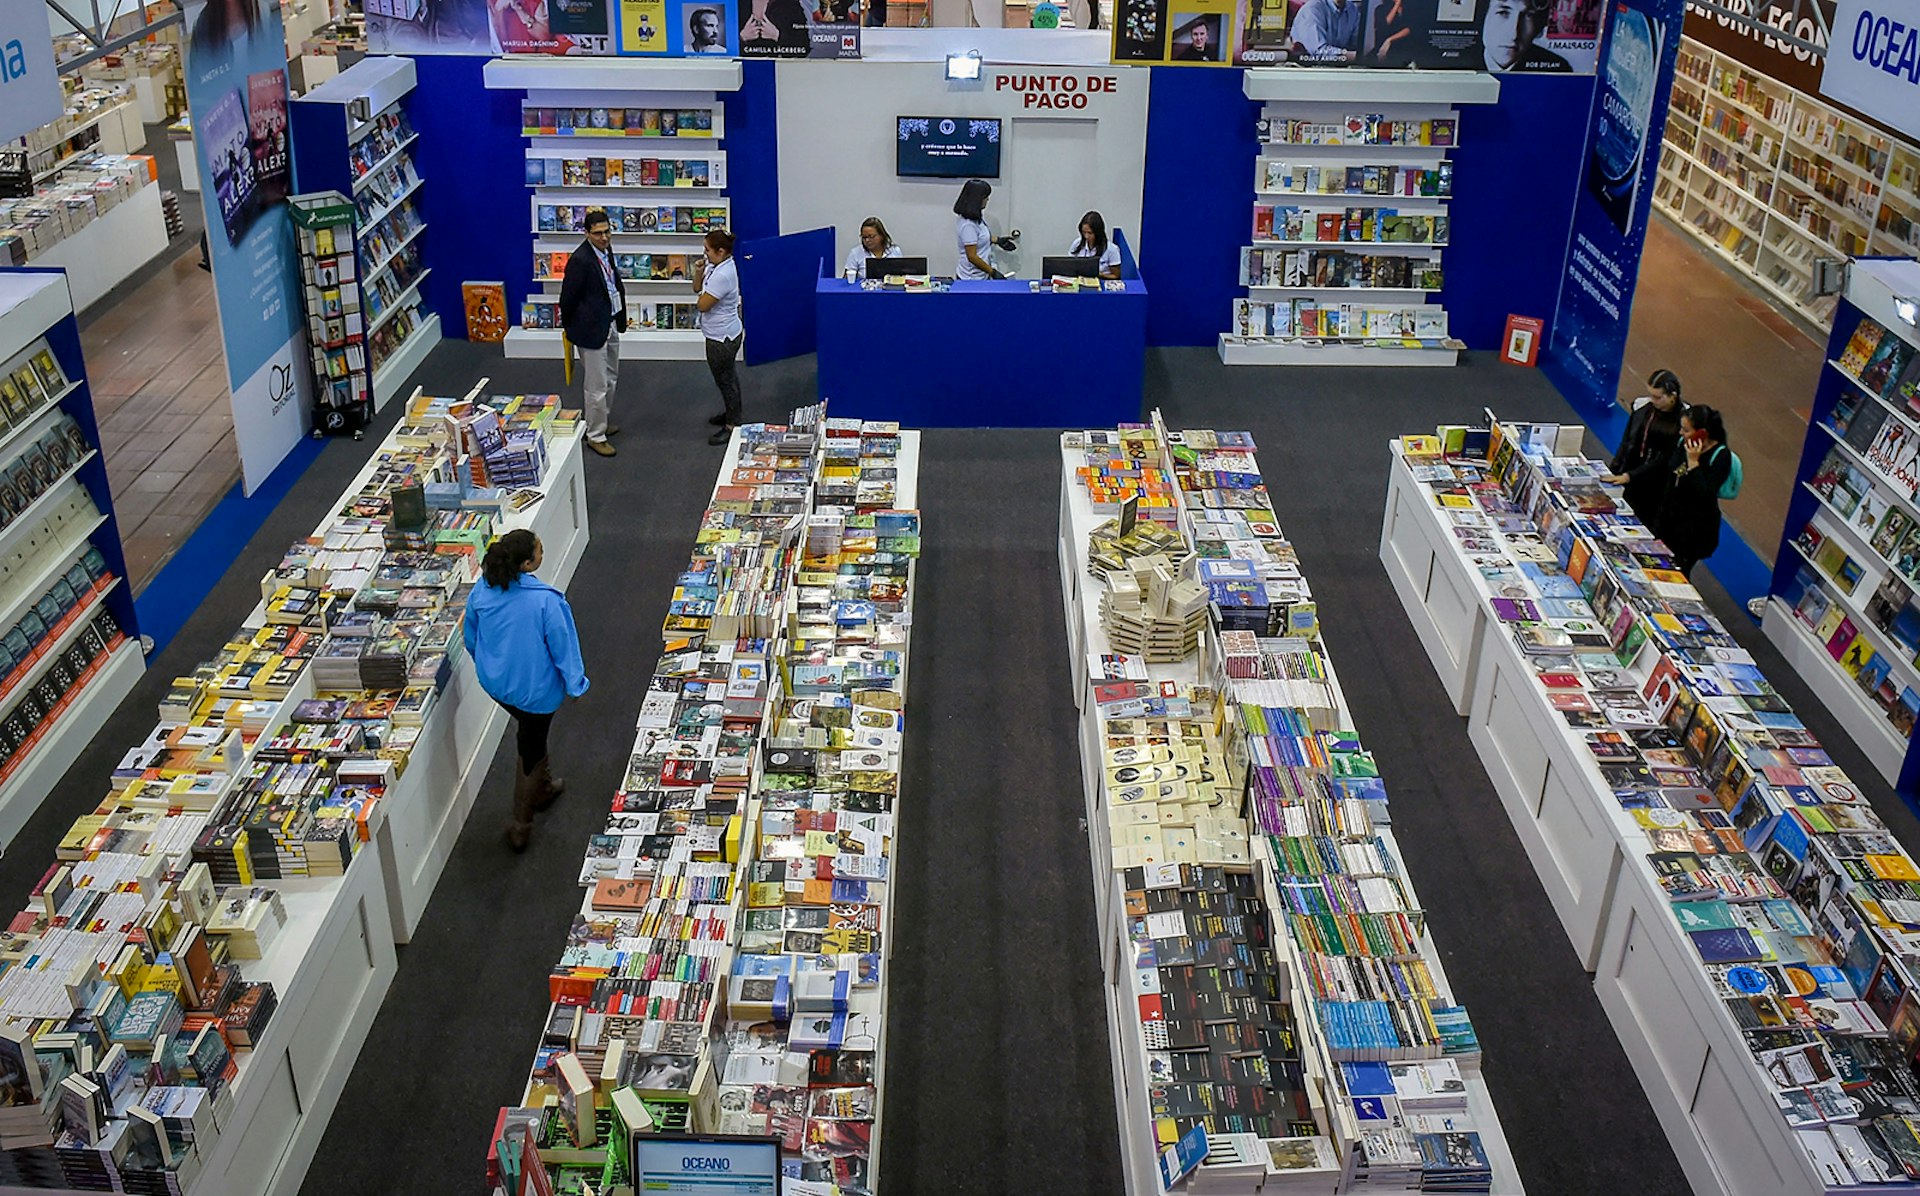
[
  {"x": 49, "y": 759},
  {"x": 1440, "y": 598},
  {"x": 108, "y": 251},
  {"x": 634, "y": 346}
]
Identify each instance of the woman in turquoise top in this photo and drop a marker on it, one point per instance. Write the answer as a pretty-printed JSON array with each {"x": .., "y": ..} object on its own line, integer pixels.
[{"x": 519, "y": 631}]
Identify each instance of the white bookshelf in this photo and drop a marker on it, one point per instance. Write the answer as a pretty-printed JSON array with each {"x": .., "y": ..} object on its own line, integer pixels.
[
  {"x": 1741, "y": 171},
  {"x": 677, "y": 87},
  {"x": 1353, "y": 298}
]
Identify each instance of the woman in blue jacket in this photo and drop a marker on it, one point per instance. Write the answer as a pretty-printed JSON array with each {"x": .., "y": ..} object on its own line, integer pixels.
[{"x": 519, "y": 631}]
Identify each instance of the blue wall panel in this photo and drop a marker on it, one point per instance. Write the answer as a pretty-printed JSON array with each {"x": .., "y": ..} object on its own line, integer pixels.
[
  {"x": 752, "y": 143},
  {"x": 1196, "y": 212},
  {"x": 475, "y": 198}
]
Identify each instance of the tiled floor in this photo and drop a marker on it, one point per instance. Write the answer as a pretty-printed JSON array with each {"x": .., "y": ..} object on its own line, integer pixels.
[
  {"x": 160, "y": 393},
  {"x": 1732, "y": 350}
]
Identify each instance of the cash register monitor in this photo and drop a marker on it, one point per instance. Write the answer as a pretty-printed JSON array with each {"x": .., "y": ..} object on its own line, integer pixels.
[
  {"x": 880, "y": 267},
  {"x": 1070, "y": 267}
]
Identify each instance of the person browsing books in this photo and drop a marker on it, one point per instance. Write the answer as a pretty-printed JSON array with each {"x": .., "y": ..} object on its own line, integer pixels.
[
  {"x": 874, "y": 242},
  {"x": 1093, "y": 242},
  {"x": 972, "y": 241},
  {"x": 519, "y": 631},
  {"x": 1690, "y": 514},
  {"x": 593, "y": 311},
  {"x": 717, "y": 283},
  {"x": 1328, "y": 30},
  {"x": 1643, "y": 463}
]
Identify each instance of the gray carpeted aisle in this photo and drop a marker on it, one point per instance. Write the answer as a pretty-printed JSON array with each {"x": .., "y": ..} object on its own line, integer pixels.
[{"x": 998, "y": 1075}]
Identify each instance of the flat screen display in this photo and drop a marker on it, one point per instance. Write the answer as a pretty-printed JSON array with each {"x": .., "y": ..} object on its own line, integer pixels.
[
  {"x": 705, "y": 1165},
  {"x": 947, "y": 147}
]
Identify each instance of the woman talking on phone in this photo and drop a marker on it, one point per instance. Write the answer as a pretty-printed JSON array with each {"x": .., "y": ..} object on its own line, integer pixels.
[{"x": 1689, "y": 520}]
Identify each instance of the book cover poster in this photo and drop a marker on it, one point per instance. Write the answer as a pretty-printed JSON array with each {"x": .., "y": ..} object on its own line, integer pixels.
[
  {"x": 772, "y": 28},
  {"x": 643, "y": 27},
  {"x": 1140, "y": 30},
  {"x": 1588, "y": 337},
  {"x": 223, "y": 139},
  {"x": 486, "y": 307},
  {"x": 488, "y": 27},
  {"x": 1531, "y": 36},
  {"x": 267, "y": 134}
]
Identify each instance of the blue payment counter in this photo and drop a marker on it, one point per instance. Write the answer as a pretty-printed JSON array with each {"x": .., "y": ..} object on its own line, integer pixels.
[{"x": 984, "y": 354}]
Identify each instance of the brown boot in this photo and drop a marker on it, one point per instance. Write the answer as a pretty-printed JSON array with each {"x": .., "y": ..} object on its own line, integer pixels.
[
  {"x": 548, "y": 787},
  {"x": 526, "y": 793}
]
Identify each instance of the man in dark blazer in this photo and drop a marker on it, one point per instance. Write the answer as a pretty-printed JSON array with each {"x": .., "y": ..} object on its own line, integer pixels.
[{"x": 593, "y": 310}]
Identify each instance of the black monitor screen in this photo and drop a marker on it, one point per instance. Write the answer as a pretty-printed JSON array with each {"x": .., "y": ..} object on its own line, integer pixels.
[
  {"x": 1070, "y": 267},
  {"x": 947, "y": 147},
  {"x": 880, "y": 267}
]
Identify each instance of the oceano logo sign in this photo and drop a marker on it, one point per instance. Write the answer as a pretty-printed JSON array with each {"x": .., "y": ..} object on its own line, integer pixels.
[
  {"x": 1887, "y": 45},
  {"x": 13, "y": 61}
]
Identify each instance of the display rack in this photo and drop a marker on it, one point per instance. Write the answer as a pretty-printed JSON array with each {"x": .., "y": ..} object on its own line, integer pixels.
[
  {"x": 1351, "y": 183},
  {"x": 1840, "y": 607},
  {"x": 61, "y": 564},
  {"x": 352, "y": 136},
  {"x": 1770, "y": 178},
  {"x": 1253, "y": 697},
  {"x": 1660, "y": 787},
  {"x": 336, "y": 321},
  {"x": 616, "y": 135}
]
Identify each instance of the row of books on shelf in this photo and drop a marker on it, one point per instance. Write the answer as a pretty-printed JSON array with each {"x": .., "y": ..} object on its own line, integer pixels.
[
  {"x": 1338, "y": 321},
  {"x": 391, "y": 285},
  {"x": 641, "y": 316},
  {"x": 723, "y": 973},
  {"x": 1332, "y": 268},
  {"x": 390, "y": 131},
  {"x": 33, "y": 470},
  {"x": 1360, "y": 128},
  {"x": 537, "y": 120},
  {"x": 389, "y": 233},
  {"x": 1796, "y": 899},
  {"x": 127, "y": 1007},
  {"x": 626, "y": 172},
  {"x": 28, "y": 382},
  {"x": 386, "y": 188},
  {"x": 1268, "y": 919},
  {"x": 392, "y": 336},
  {"x": 628, "y": 218},
  {"x": 1889, "y": 608},
  {"x": 1283, "y": 223},
  {"x": 551, "y": 266},
  {"x": 1309, "y": 178}
]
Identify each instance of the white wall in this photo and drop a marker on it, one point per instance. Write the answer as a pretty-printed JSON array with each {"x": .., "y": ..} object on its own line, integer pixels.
[{"x": 836, "y": 123}]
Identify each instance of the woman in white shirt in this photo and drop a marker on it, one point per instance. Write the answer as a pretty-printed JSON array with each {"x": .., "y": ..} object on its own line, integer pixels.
[
  {"x": 717, "y": 283},
  {"x": 874, "y": 242},
  {"x": 971, "y": 238},
  {"x": 1093, "y": 243}
]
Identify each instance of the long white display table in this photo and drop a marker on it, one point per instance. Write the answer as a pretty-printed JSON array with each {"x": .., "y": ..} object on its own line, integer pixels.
[
  {"x": 1085, "y": 636},
  {"x": 1591, "y": 857}
]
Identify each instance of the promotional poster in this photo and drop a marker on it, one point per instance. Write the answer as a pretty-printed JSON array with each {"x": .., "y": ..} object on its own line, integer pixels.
[
  {"x": 489, "y": 27},
  {"x": 237, "y": 94},
  {"x": 1530, "y": 36},
  {"x": 1610, "y": 216}
]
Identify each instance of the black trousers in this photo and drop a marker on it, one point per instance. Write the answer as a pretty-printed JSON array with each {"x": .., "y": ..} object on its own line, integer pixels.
[
  {"x": 722, "y": 361},
  {"x": 529, "y": 735}
]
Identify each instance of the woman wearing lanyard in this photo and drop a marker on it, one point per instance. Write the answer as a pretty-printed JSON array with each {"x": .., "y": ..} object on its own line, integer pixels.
[
  {"x": 1093, "y": 243},
  {"x": 1644, "y": 463},
  {"x": 718, "y": 285},
  {"x": 971, "y": 238},
  {"x": 874, "y": 242}
]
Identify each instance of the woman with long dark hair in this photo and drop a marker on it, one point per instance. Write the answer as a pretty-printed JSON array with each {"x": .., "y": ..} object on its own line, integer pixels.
[
  {"x": 519, "y": 631},
  {"x": 1644, "y": 463},
  {"x": 717, "y": 283},
  {"x": 971, "y": 238},
  {"x": 1690, "y": 516},
  {"x": 1093, "y": 243}
]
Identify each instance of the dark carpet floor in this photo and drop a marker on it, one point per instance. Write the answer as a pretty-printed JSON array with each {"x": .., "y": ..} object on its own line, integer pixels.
[{"x": 997, "y": 1068}]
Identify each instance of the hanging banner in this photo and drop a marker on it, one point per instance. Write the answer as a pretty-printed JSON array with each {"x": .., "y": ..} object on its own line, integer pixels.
[
  {"x": 237, "y": 95},
  {"x": 1795, "y": 66},
  {"x": 1530, "y": 36},
  {"x": 1589, "y": 335},
  {"x": 30, "y": 94},
  {"x": 490, "y": 27},
  {"x": 799, "y": 28},
  {"x": 1873, "y": 63}
]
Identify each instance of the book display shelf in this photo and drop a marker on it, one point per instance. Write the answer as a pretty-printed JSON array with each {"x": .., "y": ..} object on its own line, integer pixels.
[
  {"x": 336, "y": 320},
  {"x": 352, "y": 137},
  {"x": 726, "y": 971},
  {"x": 1269, "y": 975},
  {"x": 1742, "y": 908},
  {"x": 1841, "y": 606},
  {"x": 643, "y": 140},
  {"x": 196, "y": 975},
  {"x": 1771, "y": 178},
  {"x": 69, "y": 641},
  {"x": 1351, "y": 186}
]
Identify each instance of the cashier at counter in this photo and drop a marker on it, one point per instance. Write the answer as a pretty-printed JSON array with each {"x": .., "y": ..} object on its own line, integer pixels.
[
  {"x": 874, "y": 242},
  {"x": 1093, "y": 242}
]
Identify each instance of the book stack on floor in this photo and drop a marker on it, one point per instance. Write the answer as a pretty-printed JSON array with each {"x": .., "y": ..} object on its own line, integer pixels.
[
  {"x": 1793, "y": 894},
  {"x": 125, "y": 986},
  {"x": 723, "y": 975},
  {"x": 1280, "y": 962}
]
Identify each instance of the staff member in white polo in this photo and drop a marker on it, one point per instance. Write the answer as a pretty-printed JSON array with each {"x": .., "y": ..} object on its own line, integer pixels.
[
  {"x": 1093, "y": 242},
  {"x": 875, "y": 242},
  {"x": 717, "y": 283},
  {"x": 974, "y": 244}
]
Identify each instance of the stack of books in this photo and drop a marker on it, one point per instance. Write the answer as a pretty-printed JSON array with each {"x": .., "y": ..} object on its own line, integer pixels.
[{"x": 1154, "y": 611}]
